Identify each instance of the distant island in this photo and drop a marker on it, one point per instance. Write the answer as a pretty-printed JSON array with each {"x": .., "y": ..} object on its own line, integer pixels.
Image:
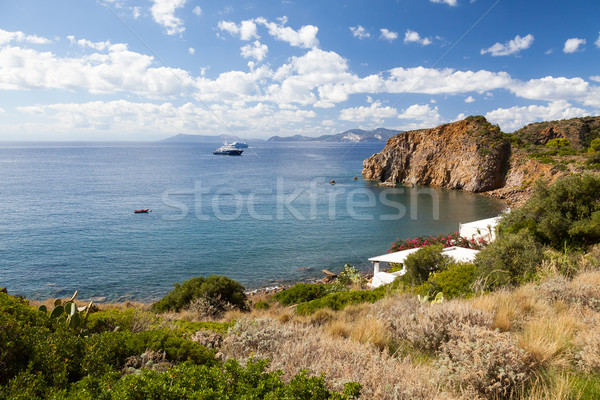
[{"x": 352, "y": 135}]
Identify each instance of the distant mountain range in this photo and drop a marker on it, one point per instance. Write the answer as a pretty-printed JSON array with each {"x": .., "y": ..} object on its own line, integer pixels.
[{"x": 352, "y": 135}]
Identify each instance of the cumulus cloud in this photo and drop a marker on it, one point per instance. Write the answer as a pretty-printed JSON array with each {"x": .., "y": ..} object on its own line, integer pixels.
[
  {"x": 101, "y": 46},
  {"x": 374, "y": 113},
  {"x": 424, "y": 116},
  {"x": 513, "y": 46},
  {"x": 597, "y": 42},
  {"x": 572, "y": 45},
  {"x": 197, "y": 10},
  {"x": 192, "y": 51},
  {"x": 470, "y": 99},
  {"x": 163, "y": 13},
  {"x": 449, "y": 2},
  {"x": 595, "y": 78},
  {"x": 388, "y": 35},
  {"x": 550, "y": 88},
  {"x": 305, "y": 37},
  {"x": 359, "y": 32},
  {"x": 18, "y": 36},
  {"x": 117, "y": 70},
  {"x": 246, "y": 29},
  {"x": 514, "y": 118},
  {"x": 256, "y": 50},
  {"x": 130, "y": 117},
  {"x": 414, "y": 37}
]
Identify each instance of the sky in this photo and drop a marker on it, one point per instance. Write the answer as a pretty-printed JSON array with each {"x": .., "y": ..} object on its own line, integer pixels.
[{"x": 145, "y": 70}]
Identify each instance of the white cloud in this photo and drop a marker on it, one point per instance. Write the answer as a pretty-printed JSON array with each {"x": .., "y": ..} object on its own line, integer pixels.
[
  {"x": 572, "y": 45},
  {"x": 470, "y": 99},
  {"x": 129, "y": 117},
  {"x": 2, "y": 110},
  {"x": 100, "y": 46},
  {"x": 305, "y": 37},
  {"x": 414, "y": 37},
  {"x": 246, "y": 29},
  {"x": 192, "y": 51},
  {"x": 136, "y": 12},
  {"x": 388, "y": 35},
  {"x": 119, "y": 70},
  {"x": 550, "y": 88},
  {"x": 18, "y": 36},
  {"x": 256, "y": 50},
  {"x": 163, "y": 13},
  {"x": 374, "y": 113},
  {"x": 424, "y": 116},
  {"x": 197, "y": 10},
  {"x": 595, "y": 78},
  {"x": 359, "y": 32},
  {"x": 449, "y": 2},
  {"x": 597, "y": 42},
  {"x": 549, "y": 51},
  {"x": 444, "y": 81},
  {"x": 513, "y": 46},
  {"x": 514, "y": 118}
]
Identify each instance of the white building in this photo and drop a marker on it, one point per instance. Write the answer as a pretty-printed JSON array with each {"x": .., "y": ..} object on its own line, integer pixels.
[
  {"x": 458, "y": 254},
  {"x": 483, "y": 229}
]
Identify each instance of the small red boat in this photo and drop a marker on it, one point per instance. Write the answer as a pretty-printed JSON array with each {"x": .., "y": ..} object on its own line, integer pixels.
[{"x": 143, "y": 210}]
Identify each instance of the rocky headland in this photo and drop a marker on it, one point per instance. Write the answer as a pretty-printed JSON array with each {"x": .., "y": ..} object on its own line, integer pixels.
[{"x": 475, "y": 156}]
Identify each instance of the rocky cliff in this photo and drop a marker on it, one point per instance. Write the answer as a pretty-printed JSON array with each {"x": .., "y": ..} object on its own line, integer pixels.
[
  {"x": 472, "y": 155},
  {"x": 579, "y": 131}
]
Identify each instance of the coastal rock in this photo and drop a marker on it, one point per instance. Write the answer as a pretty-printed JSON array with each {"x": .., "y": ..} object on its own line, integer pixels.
[
  {"x": 471, "y": 155},
  {"x": 579, "y": 131}
]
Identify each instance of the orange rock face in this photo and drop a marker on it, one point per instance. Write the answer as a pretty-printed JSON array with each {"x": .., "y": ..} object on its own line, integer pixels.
[{"x": 471, "y": 155}]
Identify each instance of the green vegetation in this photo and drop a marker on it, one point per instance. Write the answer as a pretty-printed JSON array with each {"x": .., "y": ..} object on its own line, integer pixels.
[
  {"x": 420, "y": 264},
  {"x": 220, "y": 292},
  {"x": 455, "y": 281},
  {"x": 300, "y": 293},
  {"x": 594, "y": 145},
  {"x": 565, "y": 214},
  {"x": 558, "y": 143},
  {"x": 338, "y": 301}
]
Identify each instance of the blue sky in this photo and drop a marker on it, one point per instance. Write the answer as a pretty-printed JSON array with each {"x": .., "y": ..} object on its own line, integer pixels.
[{"x": 149, "y": 69}]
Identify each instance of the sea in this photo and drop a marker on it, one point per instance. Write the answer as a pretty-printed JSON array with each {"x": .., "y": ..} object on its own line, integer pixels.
[{"x": 268, "y": 217}]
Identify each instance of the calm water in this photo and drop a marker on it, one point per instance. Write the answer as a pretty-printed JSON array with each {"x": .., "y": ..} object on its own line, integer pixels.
[{"x": 269, "y": 216}]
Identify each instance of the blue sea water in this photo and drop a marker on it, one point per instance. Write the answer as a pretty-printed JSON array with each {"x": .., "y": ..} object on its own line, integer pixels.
[{"x": 267, "y": 217}]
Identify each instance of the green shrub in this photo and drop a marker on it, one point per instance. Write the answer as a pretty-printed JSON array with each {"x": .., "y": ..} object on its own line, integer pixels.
[
  {"x": 566, "y": 213},
  {"x": 558, "y": 143},
  {"x": 423, "y": 262},
  {"x": 230, "y": 381},
  {"x": 510, "y": 259},
  {"x": 300, "y": 293},
  {"x": 594, "y": 145},
  {"x": 337, "y": 301},
  {"x": 262, "y": 305},
  {"x": 350, "y": 276},
  {"x": 219, "y": 291},
  {"x": 454, "y": 282},
  {"x": 129, "y": 319}
]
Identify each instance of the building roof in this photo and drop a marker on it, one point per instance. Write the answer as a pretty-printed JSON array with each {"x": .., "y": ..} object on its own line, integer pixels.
[{"x": 457, "y": 253}]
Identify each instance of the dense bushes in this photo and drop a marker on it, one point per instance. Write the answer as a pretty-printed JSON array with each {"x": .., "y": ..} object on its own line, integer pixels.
[
  {"x": 423, "y": 262},
  {"x": 453, "y": 239},
  {"x": 41, "y": 360},
  {"x": 564, "y": 214},
  {"x": 300, "y": 293},
  {"x": 219, "y": 291},
  {"x": 337, "y": 301},
  {"x": 455, "y": 281},
  {"x": 510, "y": 259}
]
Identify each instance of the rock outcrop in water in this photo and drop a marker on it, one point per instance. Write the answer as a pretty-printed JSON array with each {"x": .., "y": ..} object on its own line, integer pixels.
[{"x": 471, "y": 155}]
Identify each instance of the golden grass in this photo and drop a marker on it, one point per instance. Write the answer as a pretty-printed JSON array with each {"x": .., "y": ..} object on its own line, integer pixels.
[
  {"x": 548, "y": 337},
  {"x": 558, "y": 386}
]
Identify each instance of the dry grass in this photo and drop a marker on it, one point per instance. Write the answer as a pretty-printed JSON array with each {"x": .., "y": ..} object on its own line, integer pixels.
[
  {"x": 294, "y": 346},
  {"x": 556, "y": 387},
  {"x": 549, "y": 337}
]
